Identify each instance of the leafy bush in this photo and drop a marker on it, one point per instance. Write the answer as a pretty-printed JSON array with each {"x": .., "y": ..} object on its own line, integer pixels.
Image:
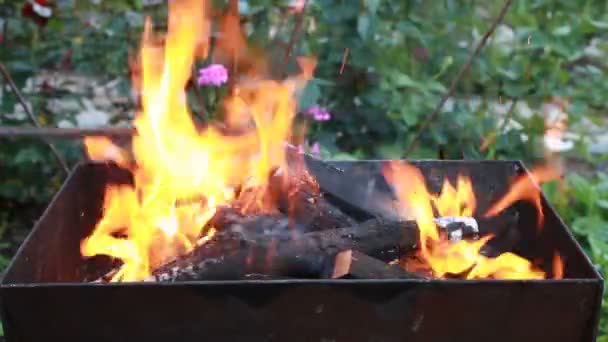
[{"x": 583, "y": 205}]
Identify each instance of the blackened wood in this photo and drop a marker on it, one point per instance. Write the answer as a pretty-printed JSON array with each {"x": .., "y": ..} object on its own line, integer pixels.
[
  {"x": 237, "y": 251},
  {"x": 505, "y": 229},
  {"x": 360, "y": 195},
  {"x": 496, "y": 225},
  {"x": 350, "y": 264},
  {"x": 298, "y": 195}
]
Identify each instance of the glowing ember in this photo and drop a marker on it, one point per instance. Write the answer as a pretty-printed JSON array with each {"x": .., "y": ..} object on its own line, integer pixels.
[
  {"x": 183, "y": 173},
  {"x": 461, "y": 258}
]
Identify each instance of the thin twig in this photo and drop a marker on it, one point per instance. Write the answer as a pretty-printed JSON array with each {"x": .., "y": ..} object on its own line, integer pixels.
[
  {"x": 295, "y": 34},
  {"x": 491, "y": 138},
  {"x": 463, "y": 70},
  {"x": 32, "y": 117},
  {"x": 64, "y": 133},
  {"x": 344, "y": 57}
]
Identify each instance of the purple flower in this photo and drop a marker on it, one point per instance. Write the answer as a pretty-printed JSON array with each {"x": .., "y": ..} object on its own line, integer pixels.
[
  {"x": 213, "y": 75},
  {"x": 315, "y": 150},
  {"x": 318, "y": 113}
]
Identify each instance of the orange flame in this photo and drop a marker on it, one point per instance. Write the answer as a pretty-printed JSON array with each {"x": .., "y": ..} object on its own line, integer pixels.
[
  {"x": 182, "y": 173},
  {"x": 558, "y": 266},
  {"x": 441, "y": 255},
  {"x": 104, "y": 150},
  {"x": 526, "y": 187}
]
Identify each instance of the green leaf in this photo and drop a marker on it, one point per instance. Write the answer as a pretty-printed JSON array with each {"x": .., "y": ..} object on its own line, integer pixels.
[
  {"x": 403, "y": 80},
  {"x": 598, "y": 240},
  {"x": 598, "y": 24},
  {"x": 435, "y": 86},
  {"x": 372, "y": 5},
  {"x": 18, "y": 66},
  {"x": 409, "y": 116},
  {"x": 588, "y": 225},
  {"x": 390, "y": 151},
  {"x": 562, "y": 30},
  {"x": 602, "y": 203},
  {"x": 309, "y": 96}
]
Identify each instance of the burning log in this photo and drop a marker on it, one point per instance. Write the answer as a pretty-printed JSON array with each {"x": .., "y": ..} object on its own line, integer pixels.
[
  {"x": 300, "y": 198},
  {"x": 251, "y": 246},
  {"x": 361, "y": 195},
  {"x": 351, "y": 264}
]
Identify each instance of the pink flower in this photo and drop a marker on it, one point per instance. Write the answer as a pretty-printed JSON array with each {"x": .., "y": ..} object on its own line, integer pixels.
[
  {"x": 315, "y": 150},
  {"x": 213, "y": 75},
  {"x": 318, "y": 113},
  {"x": 296, "y": 6}
]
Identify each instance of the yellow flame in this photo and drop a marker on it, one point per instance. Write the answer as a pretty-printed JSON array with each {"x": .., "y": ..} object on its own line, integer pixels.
[
  {"x": 442, "y": 256},
  {"x": 182, "y": 173}
]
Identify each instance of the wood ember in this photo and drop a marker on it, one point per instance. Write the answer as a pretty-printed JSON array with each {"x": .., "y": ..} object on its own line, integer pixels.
[
  {"x": 362, "y": 195},
  {"x": 352, "y": 264},
  {"x": 239, "y": 249},
  {"x": 298, "y": 195}
]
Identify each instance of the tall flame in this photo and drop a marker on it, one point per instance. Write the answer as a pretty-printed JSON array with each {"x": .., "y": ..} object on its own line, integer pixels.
[
  {"x": 183, "y": 173},
  {"x": 463, "y": 257}
]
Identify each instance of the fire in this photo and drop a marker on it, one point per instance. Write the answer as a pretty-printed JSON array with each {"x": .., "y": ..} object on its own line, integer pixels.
[
  {"x": 182, "y": 173},
  {"x": 526, "y": 187},
  {"x": 461, "y": 258},
  {"x": 558, "y": 266}
]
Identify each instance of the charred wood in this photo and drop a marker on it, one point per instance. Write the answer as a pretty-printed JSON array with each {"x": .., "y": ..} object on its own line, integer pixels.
[
  {"x": 497, "y": 225},
  {"x": 276, "y": 250},
  {"x": 352, "y": 264},
  {"x": 361, "y": 195},
  {"x": 298, "y": 195}
]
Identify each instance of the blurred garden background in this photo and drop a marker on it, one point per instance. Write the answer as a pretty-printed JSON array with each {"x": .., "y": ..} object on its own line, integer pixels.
[{"x": 539, "y": 86}]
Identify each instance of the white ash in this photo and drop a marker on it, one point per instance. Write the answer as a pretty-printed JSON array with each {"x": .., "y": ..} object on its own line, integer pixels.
[
  {"x": 466, "y": 226},
  {"x": 444, "y": 221}
]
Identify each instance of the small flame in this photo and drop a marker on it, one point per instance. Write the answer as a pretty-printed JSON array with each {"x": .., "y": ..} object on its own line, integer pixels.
[
  {"x": 558, "y": 267},
  {"x": 456, "y": 201},
  {"x": 505, "y": 266},
  {"x": 526, "y": 187},
  {"x": 105, "y": 150},
  {"x": 182, "y": 174},
  {"x": 442, "y": 256}
]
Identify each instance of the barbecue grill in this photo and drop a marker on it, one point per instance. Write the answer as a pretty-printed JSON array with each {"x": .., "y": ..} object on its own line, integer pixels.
[{"x": 45, "y": 295}]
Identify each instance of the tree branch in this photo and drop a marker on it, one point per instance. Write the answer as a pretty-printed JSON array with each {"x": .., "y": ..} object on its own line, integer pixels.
[
  {"x": 64, "y": 133},
  {"x": 32, "y": 117},
  {"x": 295, "y": 34},
  {"x": 463, "y": 70}
]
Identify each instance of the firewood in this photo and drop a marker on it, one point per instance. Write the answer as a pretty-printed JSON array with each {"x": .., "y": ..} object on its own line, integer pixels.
[
  {"x": 361, "y": 195},
  {"x": 350, "y": 264},
  {"x": 298, "y": 195},
  {"x": 237, "y": 249},
  {"x": 497, "y": 225}
]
